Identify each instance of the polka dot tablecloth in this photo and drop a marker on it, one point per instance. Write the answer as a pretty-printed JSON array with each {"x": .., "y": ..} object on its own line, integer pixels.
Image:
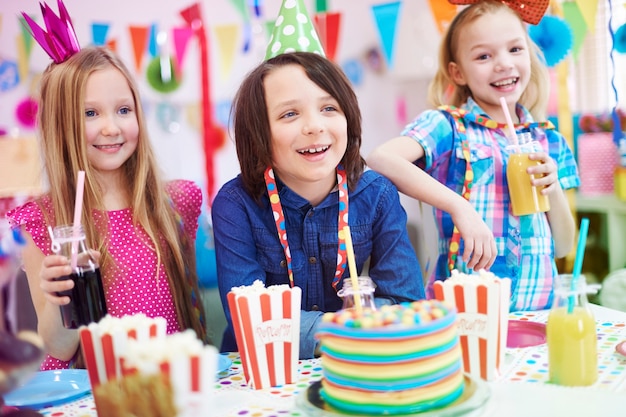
[
  {"x": 531, "y": 364},
  {"x": 528, "y": 365}
]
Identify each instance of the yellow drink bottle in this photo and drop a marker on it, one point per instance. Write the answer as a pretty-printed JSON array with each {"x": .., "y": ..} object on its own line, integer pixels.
[
  {"x": 571, "y": 334},
  {"x": 525, "y": 197}
]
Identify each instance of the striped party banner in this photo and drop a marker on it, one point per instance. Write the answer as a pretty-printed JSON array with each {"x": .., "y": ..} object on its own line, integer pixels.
[
  {"x": 482, "y": 302},
  {"x": 103, "y": 343},
  {"x": 267, "y": 330}
]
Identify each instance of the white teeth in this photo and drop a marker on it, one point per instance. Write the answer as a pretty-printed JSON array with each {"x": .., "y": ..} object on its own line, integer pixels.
[
  {"x": 107, "y": 146},
  {"x": 315, "y": 150},
  {"x": 505, "y": 82}
]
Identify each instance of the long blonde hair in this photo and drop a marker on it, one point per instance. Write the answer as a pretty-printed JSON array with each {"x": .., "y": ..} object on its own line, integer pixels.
[
  {"x": 62, "y": 130},
  {"x": 443, "y": 90}
]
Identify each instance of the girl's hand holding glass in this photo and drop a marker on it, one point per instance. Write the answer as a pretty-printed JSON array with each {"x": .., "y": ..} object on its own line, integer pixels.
[{"x": 545, "y": 174}]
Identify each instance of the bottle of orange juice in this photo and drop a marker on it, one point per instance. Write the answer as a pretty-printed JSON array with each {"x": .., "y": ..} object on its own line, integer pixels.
[
  {"x": 571, "y": 334},
  {"x": 525, "y": 198}
]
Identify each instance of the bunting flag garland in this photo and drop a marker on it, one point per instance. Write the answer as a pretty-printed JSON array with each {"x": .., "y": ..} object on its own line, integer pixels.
[
  {"x": 181, "y": 37},
  {"x": 28, "y": 39},
  {"x": 227, "y": 37},
  {"x": 153, "y": 47},
  {"x": 139, "y": 37},
  {"x": 327, "y": 25},
  {"x": 99, "y": 33},
  {"x": 588, "y": 10},
  {"x": 576, "y": 21},
  {"x": 386, "y": 17},
  {"x": 443, "y": 12}
]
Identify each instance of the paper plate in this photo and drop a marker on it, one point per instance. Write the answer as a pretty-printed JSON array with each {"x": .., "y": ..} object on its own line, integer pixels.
[
  {"x": 48, "y": 388},
  {"x": 223, "y": 364},
  {"x": 523, "y": 333},
  {"x": 475, "y": 395}
]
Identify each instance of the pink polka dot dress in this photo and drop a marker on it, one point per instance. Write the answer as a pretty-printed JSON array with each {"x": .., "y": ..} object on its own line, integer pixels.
[{"x": 131, "y": 286}]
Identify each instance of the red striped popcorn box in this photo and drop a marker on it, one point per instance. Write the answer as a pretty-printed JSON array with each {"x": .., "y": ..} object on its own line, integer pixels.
[
  {"x": 266, "y": 322},
  {"x": 482, "y": 302},
  {"x": 104, "y": 342},
  {"x": 190, "y": 366}
]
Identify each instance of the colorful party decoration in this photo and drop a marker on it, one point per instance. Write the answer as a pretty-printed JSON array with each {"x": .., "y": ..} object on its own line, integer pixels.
[
  {"x": 354, "y": 71},
  {"x": 328, "y": 25},
  {"x": 386, "y": 17},
  {"x": 588, "y": 10},
  {"x": 619, "y": 42},
  {"x": 99, "y": 33},
  {"x": 153, "y": 47},
  {"x": 154, "y": 75},
  {"x": 139, "y": 37},
  {"x": 294, "y": 31},
  {"x": 26, "y": 113},
  {"x": 554, "y": 37},
  {"x": 226, "y": 37},
  {"x": 181, "y": 37},
  {"x": 576, "y": 21},
  {"x": 443, "y": 12}
]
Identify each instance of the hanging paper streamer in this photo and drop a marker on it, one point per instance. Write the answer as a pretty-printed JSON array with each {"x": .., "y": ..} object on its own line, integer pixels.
[
  {"x": 588, "y": 9},
  {"x": 443, "y": 12},
  {"x": 386, "y": 16},
  {"x": 618, "y": 135},
  {"x": 554, "y": 37},
  {"x": 327, "y": 26},
  {"x": 181, "y": 37},
  {"x": 139, "y": 37},
  {"x": 576, "y": 21},
  {"x": 99, "y": 33},
  {"x": 212, "y": 136}
]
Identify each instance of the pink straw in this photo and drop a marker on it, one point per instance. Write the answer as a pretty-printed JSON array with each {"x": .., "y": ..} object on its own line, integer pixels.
[
  {"x": 509, "y": 121},
  {"x": 78, "y": 208}
]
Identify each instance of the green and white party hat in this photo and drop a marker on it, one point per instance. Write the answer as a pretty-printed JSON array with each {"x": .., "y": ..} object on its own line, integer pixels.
[{"x": 293, "y": 31}]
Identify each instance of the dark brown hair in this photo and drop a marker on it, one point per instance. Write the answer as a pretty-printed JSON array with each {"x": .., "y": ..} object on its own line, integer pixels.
[{"x": 251, "y": 121}]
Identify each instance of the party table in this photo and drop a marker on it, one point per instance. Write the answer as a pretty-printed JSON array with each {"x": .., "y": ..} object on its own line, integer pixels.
[{"x": 522, "y": 388}]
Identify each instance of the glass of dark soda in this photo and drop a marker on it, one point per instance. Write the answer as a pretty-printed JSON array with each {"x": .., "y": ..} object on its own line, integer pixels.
[{"x": 87, "y": 302}]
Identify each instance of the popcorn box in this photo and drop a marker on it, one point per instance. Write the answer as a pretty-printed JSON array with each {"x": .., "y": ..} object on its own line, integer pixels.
[
  {"x": 266, "y": 323},
  {"x": 190, "y": 367},
  {"x": 482, "y": 302},
  {"x": 103, "y": 343}
]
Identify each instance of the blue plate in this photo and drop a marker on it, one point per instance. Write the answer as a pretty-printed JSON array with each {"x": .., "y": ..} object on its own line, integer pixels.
[
  {"x": 223, "y": 364},
  {"x": 48, "y": 388}
]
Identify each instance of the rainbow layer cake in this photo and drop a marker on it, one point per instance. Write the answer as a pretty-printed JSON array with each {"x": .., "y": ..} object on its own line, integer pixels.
[{"x": 399, "y": 359}]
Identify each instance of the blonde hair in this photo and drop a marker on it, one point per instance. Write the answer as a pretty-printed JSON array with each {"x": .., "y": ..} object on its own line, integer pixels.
[
  {"x": 62, "y": 130},
  {"x": 442, "y": 89}
]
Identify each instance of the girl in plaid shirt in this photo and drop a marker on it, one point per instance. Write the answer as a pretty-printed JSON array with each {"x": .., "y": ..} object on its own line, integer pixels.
[{"x": 470, "y": 194}]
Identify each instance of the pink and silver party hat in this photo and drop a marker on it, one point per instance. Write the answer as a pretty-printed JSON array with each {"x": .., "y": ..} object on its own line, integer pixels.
[{"x": 60, "y": 41}]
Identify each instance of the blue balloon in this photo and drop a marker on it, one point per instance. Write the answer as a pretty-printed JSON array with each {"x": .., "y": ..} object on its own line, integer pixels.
[{"x": 9, "y": 75}]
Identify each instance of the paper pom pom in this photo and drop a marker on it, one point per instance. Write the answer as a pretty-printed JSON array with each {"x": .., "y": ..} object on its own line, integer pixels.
[
  {"x": 619, "y": 41},
  {"x": 26, "y": 112},
  {"x": 554, "y": 37},
  {"x": 155, "y": 78}
]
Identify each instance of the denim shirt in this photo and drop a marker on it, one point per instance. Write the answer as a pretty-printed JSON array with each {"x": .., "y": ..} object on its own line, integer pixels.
[{"x": 247, "y": 248}]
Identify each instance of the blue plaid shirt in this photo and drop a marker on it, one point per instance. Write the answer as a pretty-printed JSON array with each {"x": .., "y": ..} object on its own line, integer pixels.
[{"x": 525, "y": 245}]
